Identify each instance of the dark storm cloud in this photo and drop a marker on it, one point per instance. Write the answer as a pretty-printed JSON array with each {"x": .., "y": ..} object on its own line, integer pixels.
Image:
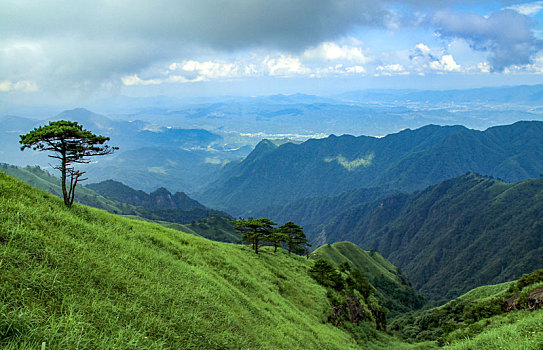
[
  {"x": 80, "y": 45},
  {"x": 219, "y": 24},
  {"x": 84, "y": 43},
  {"x": 506, "y": 35}
]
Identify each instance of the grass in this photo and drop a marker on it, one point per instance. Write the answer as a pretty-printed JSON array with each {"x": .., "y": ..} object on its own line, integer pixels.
[
  {"x": 82, "y": 278},
  {"x": 392, "y": 286},
  {"x": 483, "y": 293},
  {"x": 517, "y": 330}
]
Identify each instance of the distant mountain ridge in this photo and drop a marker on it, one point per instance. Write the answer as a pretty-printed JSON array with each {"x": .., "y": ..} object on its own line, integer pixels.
[
  {"x": 453, "y": 236},
  {"x": 405, "y": 161},
  {"x": 158, "y": 199},
  {"x": 175, "y": 211}
]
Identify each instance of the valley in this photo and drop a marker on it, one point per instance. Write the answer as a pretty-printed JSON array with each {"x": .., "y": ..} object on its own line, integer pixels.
[{"x": 416, "y": 239}]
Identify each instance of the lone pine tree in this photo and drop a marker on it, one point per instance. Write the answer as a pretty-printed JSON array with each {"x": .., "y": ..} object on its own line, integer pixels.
[{"x": 71, "y": 144}]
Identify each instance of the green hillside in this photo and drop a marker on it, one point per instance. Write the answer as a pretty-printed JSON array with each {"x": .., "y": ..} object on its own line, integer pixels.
[
  {"x": 406, "y": 161},
  {"x": 312, "y": 212},
  {"x": 454, "y": 236},
  {"x": 480, "y": 318},
  {"x": 83, "y": 278},
  {"x": 41, "y": 179},
  {"x": 393, "y": 287},
  {"x": 196, "y": 219}
]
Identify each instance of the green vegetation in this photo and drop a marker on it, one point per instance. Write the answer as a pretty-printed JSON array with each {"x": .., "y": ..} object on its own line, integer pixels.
[
  {"x": 88, "y": 279},
  {"x": 479, "y": 319},
  {"x": 84, "y": 278},
  {"x": 351, "y": 296},
  {"x": 71, "y": 145},
  {"x": 204, "y": 222},
  {"x": 261, "y": 231},
  {"x": 41, "y": 179},
  {"x": 215, "y": 227},
  {"x": 392, "y": 286},
  {"x": 454, "y": 236},
  {"x": 409, "y": 160}
]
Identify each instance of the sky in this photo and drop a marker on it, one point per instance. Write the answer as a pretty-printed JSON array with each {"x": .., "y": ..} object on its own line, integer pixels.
[{"x": 76, "y": 51}]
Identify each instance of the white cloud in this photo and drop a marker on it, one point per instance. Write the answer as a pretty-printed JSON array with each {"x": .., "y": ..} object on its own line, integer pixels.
[
  {"x": 446, "y": 63},
  {"x": 285, "y": 66},
  {"x": 484, "y": 67},
  {"x": 331, "y": 51},
  {"x": 356, "y": 69},
  {"x": 22, "y": 85},
  {"x": 423, "y": 49},
  {"x": 391, "y": 69},
  {"x": 528, "y": 9},
  {"x": 134, "y": 79}
]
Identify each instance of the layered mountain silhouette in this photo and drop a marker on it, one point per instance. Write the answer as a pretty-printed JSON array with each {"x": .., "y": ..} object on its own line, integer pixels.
[
  {"x": 453, "y": 236},
  {"x": 406, "y": 161}
]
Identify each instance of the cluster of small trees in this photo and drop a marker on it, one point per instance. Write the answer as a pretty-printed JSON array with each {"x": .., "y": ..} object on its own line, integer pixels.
[
  {"x": 350, "y": 293},
  {"x": 258, "y": 232}
]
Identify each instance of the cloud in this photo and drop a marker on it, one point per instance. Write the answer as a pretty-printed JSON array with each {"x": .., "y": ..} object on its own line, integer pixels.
[
  {"x": 527, "y": 9},
  {"x": 78, "y": 46},
  {"x": 446, "y": 63},
  {"x": 506, "y": 35},
  {"x": 391, "y": 69},
  {"x": 82, "y": 46},
  {"x": 290, "y": 24},
  {"x": 331, "y": 51},
  {"x": 23, "y": 85}
]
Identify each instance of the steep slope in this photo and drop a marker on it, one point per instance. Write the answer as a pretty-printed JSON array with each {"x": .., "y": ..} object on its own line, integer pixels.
[
  {"x": 312, "y": 213},
  {"x": 84, "y": 278},
  {"x": 406, "y": 161},
  {"x": 393, "y": 287},
  {"x": 453, "y": 236},
  {"x": 204, "y": 222},
  {"x": 42, "y": 179},
  {"x": 482, "y": 318}
]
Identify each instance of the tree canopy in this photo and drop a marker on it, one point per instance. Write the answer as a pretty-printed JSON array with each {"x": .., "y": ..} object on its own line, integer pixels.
[
  {"x": 254, "y": 231},
  {"x": 258, "y": 231},
  {"x": 71, "y": 144}
]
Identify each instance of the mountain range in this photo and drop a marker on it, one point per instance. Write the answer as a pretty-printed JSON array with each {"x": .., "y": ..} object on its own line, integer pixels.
[
  {"x": 406, "y": 161},
  {"x": 453, "y": 236}
]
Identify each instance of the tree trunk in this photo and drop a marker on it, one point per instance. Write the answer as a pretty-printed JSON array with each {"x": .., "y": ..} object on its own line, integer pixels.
[{"x": 64, "y": 174}]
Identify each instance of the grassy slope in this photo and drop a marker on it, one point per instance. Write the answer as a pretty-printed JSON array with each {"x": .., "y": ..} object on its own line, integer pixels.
[
  {"x": 392, "y": 286},
  {"x": 518, "y": 330},
  {"x": 514, "y": 330},
  {"x": 43, "y": 180},
  {"x": 83, "y": 278},
  {"x": 216, "y": 228}
]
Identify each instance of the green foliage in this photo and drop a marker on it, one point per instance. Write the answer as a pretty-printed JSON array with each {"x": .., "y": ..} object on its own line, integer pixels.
[
  {"x": 255, "y": 231},
  {"x": 350, "y": 305},
  {"x": 522, "y": 330},
  {"x": 293, "y": 235},
  {"x": 454, "y": 236},
  {"x": 70, "y": 144},
  {"x": 326, "y": 274},
  {"x": 391, "y": 286},
  {"x": 83, "y": 278},
  {"x": 526, "y": 280},
  {"x": 471, "y": 316},
  {"x": 204, "y": 222}
]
